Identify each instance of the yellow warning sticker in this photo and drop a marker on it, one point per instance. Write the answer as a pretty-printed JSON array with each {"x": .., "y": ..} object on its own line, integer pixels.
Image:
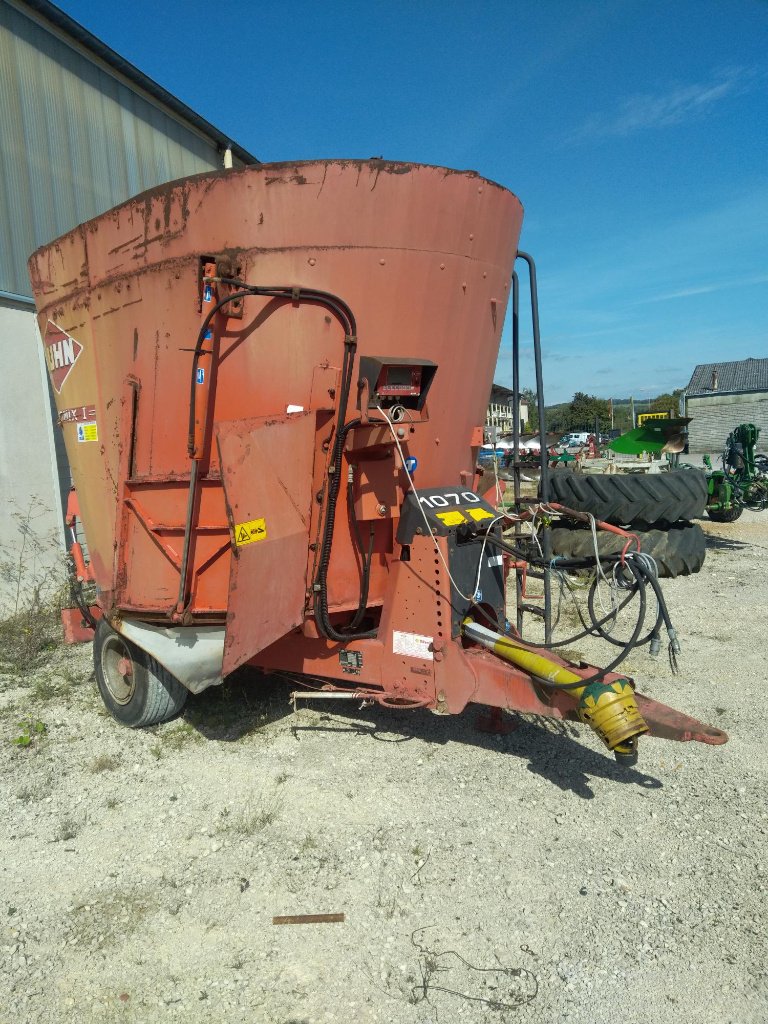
[
  {"x": 247, "y": 533},
  {"x": 87, "y": 432},
  {"x": 480, "y": 513},
  {"x": 450, "y": 518}
]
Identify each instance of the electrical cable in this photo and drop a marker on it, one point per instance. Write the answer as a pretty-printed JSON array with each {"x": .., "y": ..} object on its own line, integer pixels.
[{"x": 438, "y": 549}]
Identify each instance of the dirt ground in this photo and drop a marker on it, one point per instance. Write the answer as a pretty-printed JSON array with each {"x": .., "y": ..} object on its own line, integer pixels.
[{"x": 482, "y": 878}]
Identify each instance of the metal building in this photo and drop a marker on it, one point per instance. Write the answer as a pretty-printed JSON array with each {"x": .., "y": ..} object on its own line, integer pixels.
[{"x": 81, "y": 131}]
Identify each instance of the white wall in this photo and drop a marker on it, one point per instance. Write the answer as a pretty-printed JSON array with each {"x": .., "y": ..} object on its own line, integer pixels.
[
  {"x": 30, "y": 467},
  {"x": 716, "y": 415}
]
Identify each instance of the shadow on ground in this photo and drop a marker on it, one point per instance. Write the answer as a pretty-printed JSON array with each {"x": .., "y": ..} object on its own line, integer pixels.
[
  {"x": 246, "y": 702},
  {"x": 715, "y": 543},
  {"x": 249, "y": 702}
]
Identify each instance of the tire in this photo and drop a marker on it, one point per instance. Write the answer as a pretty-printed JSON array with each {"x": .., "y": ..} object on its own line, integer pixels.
[
  {"x": 633, "y": 498},
  {"x": 146, "y": 694},
  {"x": 729, "y": 515},
  {"x": 678, "y": 551}
]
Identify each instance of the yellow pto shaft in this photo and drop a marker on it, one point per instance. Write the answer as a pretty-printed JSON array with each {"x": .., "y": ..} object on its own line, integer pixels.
[{"x": 609, "y": 708}]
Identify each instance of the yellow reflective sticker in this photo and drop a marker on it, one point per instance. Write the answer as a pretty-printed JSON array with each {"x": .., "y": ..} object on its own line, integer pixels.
[
  {"x": 480, "y": 513},
  {"x": 450, "y": 518},
  {"x": 247, "y": 533}
]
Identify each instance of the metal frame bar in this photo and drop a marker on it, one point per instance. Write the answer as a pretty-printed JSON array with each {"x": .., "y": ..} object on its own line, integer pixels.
[{"x": 543, "y": 459}]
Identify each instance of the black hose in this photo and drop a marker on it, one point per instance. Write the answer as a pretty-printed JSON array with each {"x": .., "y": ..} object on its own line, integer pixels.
[
  {"x": 627, "y": 648},
  {"x": 327, "y": 299},
  {"x": 366, "y": 558},
  {"x": 347, "y": 318},
  {"x": 611, "y": 617},
  {"x": 320, "y": 585},
  {"x": 641, "y": 578}
]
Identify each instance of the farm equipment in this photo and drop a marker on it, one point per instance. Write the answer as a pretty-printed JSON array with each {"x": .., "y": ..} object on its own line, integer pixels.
[
  {"x": 272, "y": 384},
  {"x": 743, "y": 480},
  {"x": 656, "y": 435}
]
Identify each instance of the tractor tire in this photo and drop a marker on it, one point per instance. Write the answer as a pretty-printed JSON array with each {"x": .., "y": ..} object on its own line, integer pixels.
[
  {"x": 135, "y": 688},
  {"x": 729, "y": 515},
  {"x": 633, "y": 499},
  {"x": 677, "y": 551}
]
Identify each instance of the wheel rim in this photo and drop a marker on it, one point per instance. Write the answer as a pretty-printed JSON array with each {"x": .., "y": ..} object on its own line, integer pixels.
[{"x": 117, "y": 669}]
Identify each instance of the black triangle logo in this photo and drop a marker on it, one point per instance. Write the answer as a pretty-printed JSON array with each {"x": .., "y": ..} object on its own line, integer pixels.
[{"x": 243, "y": 535}]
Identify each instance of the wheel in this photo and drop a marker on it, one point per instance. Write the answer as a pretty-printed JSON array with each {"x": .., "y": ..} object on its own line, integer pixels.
[
  {"x": 725, "y": 515},
  {"x": 678, "y": 551},
  {"x": 633, "y": 498},
  {"x": 136, "y": 689}
]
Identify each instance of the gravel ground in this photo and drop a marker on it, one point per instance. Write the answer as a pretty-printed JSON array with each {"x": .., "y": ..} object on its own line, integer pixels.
[{"x": 141, "y": 871}]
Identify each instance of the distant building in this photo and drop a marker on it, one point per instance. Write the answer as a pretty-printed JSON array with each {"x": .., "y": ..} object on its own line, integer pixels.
[
  {"x": 82, "y": 130},
  {"x": 720, "y": 396},
  {"x": 500, "y": 415}
]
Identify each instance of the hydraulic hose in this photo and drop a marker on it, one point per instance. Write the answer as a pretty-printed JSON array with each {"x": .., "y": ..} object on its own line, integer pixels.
[
  {"x": 365, "y": 559},
  {"x": 640, "y": 575},
  {"x": 320, "y": 585},
  {"x": 348, "y": 322}
]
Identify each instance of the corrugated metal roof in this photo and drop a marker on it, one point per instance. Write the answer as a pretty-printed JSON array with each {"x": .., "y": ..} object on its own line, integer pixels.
[
  {"x": 76, "y": 139},
  {"x": 743, "y": 375}
]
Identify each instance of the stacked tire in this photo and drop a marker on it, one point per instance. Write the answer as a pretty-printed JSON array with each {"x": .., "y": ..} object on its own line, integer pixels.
[{"x": 658, "y": 508}]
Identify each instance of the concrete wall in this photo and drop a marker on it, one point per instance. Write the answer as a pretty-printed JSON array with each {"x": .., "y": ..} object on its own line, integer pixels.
[
  {"x": 33, "y": 471},
  {"x": 716, "y": 415}
]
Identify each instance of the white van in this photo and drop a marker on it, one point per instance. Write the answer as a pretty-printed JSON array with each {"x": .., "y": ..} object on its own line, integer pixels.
[{"x": 575, "y": 440}]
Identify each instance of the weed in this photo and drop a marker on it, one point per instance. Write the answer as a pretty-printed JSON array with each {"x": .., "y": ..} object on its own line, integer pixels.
[
  {"x": 68, "y": 829},
  {"x": 31, "y": 734},
  {"x": 113, "y": 802},
  {"x": 35, "y": 592},
  {"x": 180, "y": 735},
  {"x": 256, "y": 817},
  {"x": 281, "y": 778},
  {"x": 32, "y": 793},
  {"x": 308, "y": 843},
  {"x": 103, "y": 763},
  {"x": 156, "y": 750}
]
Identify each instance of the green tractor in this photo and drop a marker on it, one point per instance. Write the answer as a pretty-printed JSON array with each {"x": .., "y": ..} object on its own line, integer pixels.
[{"x": 743, "y": 480}]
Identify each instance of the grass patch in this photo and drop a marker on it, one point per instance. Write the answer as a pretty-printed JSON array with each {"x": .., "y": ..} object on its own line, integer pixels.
[
  {"x": 33, "y": 792},
  {"x": 244, "y": 707},
  {"x": 103, "y": 763},
  {"x": 308, "y": 843},
  {"x": 69, "y": 828},
  {"x": 178, "y": 736},
  {"x": 254, "y": 817},
  {"x": 108, "y": 918}
]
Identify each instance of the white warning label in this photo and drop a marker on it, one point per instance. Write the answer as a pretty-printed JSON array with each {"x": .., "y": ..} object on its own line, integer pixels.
[{"x": 412, "y": 645}]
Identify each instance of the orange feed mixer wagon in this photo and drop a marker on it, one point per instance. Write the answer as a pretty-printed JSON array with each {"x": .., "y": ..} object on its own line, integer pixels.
[{"x": 272, "y": 384}]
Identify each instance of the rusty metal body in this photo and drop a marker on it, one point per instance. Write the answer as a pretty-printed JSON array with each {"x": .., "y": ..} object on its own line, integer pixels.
[{"x": 203, "y": 479}]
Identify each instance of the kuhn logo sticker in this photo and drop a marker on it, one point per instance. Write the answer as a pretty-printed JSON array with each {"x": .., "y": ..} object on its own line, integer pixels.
[{"x": 61, "y": 354}]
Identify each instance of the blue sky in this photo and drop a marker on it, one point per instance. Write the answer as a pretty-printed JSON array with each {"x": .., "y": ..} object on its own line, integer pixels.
[{"x": 634, "y": 132}]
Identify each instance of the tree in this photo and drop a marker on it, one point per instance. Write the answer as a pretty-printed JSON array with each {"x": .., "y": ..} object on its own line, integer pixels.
[
  {"x": 666, "y": 402},
  {"x": 585, "y": 409},
  {"x": 528, "y": 397}
]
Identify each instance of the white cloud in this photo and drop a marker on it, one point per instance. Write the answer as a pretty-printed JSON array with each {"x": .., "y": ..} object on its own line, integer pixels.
[
  {"x": 706, "y": 289},
  {"x": 683, "y": 103}
]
